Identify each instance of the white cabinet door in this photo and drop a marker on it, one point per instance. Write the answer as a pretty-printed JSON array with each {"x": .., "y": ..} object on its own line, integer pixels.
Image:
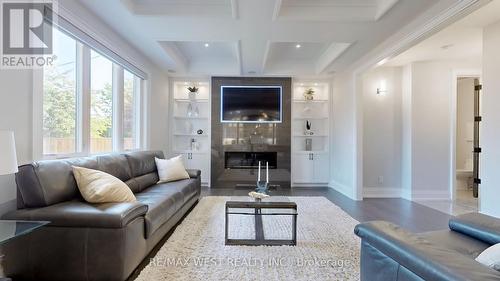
[
  {"x": 302, "y": 168},
  {"x": 321, "y": 168},
  {"x": 200, "y": 161}
]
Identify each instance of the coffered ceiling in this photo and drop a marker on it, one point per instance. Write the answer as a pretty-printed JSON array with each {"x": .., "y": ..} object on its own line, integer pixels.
[{"x": 255, "y": 37}]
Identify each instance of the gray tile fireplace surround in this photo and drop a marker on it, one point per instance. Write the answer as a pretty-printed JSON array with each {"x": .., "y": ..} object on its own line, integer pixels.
[{"x": 253, "y": 141}]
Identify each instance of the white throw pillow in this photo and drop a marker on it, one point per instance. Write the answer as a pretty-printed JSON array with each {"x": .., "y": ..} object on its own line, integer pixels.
[
  {"x": 171, "y": 169},
  {"x": 100, "y": 187},
  {"x": 490, "y": 257}
]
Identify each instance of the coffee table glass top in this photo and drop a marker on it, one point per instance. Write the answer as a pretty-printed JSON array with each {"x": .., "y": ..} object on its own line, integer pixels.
[{"x": 10, "y": 229}]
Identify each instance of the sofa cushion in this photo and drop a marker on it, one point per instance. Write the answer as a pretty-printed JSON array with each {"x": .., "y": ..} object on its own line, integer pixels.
[
  {"x": 143, "y": 167},
  {"x": 164, "y": 200},
  {"x": 479, "y": 226},
  {"x": 82, "y": 214},
  {"x": 458, "y": 242}
]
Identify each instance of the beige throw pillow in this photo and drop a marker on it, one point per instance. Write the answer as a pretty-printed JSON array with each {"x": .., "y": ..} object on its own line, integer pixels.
[
  {"x": 100, "y": 187},
  {"x": 171, "y": 169}
]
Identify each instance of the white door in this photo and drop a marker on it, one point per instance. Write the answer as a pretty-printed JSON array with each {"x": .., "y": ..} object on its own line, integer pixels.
[
  {"x": 199, "y": 161},
  {"x": 303, "y": 168},
  {"x": 321, "y": 167}
]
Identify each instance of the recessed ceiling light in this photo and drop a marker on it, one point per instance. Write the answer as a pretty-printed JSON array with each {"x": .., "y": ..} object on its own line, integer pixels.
[
  {"x": 207, "y": 45},
  {"x": 298, "y": 46}
]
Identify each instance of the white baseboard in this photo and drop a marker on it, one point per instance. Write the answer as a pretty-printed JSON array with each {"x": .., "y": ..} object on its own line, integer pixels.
[
  {"x": 344, "y": 189},
  {"x": 381, "y": 192},
  {"x": 431, "y": 195},
  {"x": 309, "y": 184}
]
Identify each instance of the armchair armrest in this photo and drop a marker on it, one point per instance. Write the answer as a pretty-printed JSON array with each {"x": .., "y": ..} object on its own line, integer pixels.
[
  {"x": 425, "y": 259},
  {"x": 82, "y": 214},
  {"x": 194, "y": 174},
  {"x": 479, "y": 226}
]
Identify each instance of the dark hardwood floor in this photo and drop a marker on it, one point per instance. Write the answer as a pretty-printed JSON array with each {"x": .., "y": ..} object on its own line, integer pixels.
[{"x": 410, "y": 215}]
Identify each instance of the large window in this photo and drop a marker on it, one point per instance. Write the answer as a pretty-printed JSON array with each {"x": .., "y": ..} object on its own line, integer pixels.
[
  {"x": 85, "y": 110},
  {"x": 60, "y": 99},
  {"x": 101, "y": 103},
  {"x": 130, "y": 110}
]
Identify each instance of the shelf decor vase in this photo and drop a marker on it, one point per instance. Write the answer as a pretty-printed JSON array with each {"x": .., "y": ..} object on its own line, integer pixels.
[
  {"x": 309, "y": 94},
  {"x": 192, "y": 92},
  {"x": 192, "y": 95}
]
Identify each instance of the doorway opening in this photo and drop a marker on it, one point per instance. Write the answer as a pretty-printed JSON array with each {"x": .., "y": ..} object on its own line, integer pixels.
[{"x": 467, "y": 143}]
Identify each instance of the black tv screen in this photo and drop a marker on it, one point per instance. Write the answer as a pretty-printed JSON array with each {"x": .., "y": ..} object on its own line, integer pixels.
[{"x": 251, "y": 104}]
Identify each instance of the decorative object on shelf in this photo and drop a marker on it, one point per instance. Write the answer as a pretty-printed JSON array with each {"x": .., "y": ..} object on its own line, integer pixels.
[
  {"x": 262, "y": 186},
  {"x": 189, "y": 110},
  {"x": 189, "y": 127},
  {"x": 196, "y": 112},
  {"x": 308, "y": 131},
  {"x": 306, "y": 110},
  {"x": 194, "y": 145},
  {"x": 257, "y": 196},
  {"x": 309, "y": 94},
  {"x": 199, "y": 132},
  {"x": 192, "y": 92},
  {"x": 309, "y": 144}
]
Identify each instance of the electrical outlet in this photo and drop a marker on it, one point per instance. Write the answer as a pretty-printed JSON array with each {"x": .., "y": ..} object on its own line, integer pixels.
[{"x": 380, "y": 179}]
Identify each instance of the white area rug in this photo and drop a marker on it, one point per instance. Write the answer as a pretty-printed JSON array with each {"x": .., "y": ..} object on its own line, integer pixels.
[{"x": 327, "y": 248}]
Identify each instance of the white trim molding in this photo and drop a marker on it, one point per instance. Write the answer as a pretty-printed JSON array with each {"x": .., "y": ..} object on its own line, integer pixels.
[
  {"x": 344, "y": 189},
  {"x": 381, "y": 192},
  {"x": 430, "y": 194}
]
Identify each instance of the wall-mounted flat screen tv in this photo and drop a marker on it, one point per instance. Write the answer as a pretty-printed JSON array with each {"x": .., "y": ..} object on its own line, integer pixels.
[{"x": 251, "y": 104}]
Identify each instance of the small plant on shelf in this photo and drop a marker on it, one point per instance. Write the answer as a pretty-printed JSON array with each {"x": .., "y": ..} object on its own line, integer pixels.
[
  {"x": 193, "y": 89},
  {"x": 192, "y": 92},
  {"x": 309, "y": 94}
]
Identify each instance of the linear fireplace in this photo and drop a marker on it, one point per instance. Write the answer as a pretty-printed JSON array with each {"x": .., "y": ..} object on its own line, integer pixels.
[{"x": 249, "y": 160}]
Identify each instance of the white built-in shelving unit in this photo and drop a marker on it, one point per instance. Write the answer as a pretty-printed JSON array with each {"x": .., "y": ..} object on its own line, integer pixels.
[
  {"x": 310, "y": 167},
  {"x": 188, "y": 115}
]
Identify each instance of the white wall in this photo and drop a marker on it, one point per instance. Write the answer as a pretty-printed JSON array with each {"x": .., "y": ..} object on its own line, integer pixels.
[
  {"x": 465, "y": 123},
  {"x": 429, "y": 106},
  {"x": 343, "y": 150},
  {"x": 382, "y": 125},
  {"x": 17, "y": 90},
  {"x": 490, "y": 128},
  {"x": 15, "y": 115}
]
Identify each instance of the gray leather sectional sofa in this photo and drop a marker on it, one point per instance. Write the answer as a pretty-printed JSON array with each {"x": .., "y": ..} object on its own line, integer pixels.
[
  {"x": 93, "y": 241},
  {"x": 390, "y": 253}
]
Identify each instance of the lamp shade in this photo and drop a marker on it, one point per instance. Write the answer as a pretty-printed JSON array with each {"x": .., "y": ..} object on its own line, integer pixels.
[{"x": 8, "y": 159}]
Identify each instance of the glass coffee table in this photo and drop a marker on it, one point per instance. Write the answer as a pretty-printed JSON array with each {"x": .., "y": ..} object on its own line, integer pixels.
[
  {"x": 12, "y": 229},
  {"x": 268, "y": 216}
]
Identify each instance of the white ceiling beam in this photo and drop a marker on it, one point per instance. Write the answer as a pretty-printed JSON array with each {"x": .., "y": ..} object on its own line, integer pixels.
[
  {"x": 266, "y": 57},
  {"x": 277, "y": 9},
  {"x": 330, "y": 55},
  {"x": 234, "y": 9},
  {"x": 383, "y": 6},
  {"x": 239, "y": 59},
  {"x": 175, "y": 55}
]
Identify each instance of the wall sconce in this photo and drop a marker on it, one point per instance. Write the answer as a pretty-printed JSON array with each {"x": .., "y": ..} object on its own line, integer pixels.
[{"x": 382, "y": 89}]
